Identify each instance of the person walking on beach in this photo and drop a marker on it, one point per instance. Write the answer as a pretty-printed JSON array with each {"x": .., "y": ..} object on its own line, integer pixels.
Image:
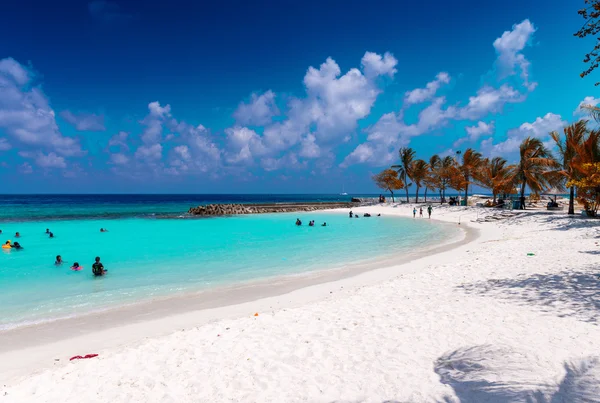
[
  {"x": 429, "y": 210},
  {"x": 415, "y": 212},
  {"x": 98, "y": 268},
  {"x": 421, "y": 212}
]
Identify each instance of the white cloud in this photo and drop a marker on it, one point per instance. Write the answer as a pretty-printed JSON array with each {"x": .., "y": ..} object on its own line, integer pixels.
[
  {"x": 119, "y": 159},
  {"x": 326, "y": 116},
  {"x": 4, "y": 145},
  {"x": 50, "y": 160},
  {"x": 509, "y": 47},
  {"x": 149, "y": 152},
  {"x": 258, "y": 112},
  {"x": 289, "y": 161},
  {"x": 490, "y": 100},
  {"x": 119, "y": 140},
  {"x": 84, "y": 121},
  {"x": 26, "y": 115},
  {"x": 590, "y": 101},
  {"x": 475, "y": 132},
  {"x": 244, "y": 145},
  {"x": 421, "y": 95},
  {"x": 540, "y": 128},
  {"x": 375, "y": 65},
  {"x": 391, "y": 132},
  {"x": 309, "y": 149}
]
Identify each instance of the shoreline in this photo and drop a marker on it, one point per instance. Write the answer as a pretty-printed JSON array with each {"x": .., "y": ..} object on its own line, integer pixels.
[{"x": 115, "y": 327}]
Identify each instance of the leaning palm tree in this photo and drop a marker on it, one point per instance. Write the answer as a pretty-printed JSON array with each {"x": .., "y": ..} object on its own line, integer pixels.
[
  {"x": 407, "y": 155},
  {"x": 567, "y": 149},
  {"x": 534, "y": 168},
  {"x": 471, "y": 160},
  {"x": 495, "y": 175},
  {"x": 419, "y": 170}
]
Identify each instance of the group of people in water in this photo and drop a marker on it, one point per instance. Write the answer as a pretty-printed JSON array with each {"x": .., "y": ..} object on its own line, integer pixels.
[
  {"x": 310, "y": 223},
  {"x": 429, "y": 211},
  {"x": 97, "y": 267},
  {"x": 351, "y": 214}
]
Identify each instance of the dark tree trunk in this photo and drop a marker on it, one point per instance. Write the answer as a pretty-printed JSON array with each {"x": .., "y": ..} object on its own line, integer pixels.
[
  {"x": 392, "y": 195},
  {"x": 417, "y": 199},
  {"x": 425, "y": 195},
  {"x": 441, "y": 196},
  {"x": 466, "y": 191},
  {"x": 523, "y": 196},
  {"x": 494, "y": 194},
  {"x": 572, "y": 200}
]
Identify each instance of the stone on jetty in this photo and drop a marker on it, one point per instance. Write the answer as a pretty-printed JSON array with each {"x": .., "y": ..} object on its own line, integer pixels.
[{"x": 236, "y": 209}]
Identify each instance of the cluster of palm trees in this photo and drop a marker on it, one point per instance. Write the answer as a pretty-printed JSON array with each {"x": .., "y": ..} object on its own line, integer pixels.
[{"x": 538, "y": 169}]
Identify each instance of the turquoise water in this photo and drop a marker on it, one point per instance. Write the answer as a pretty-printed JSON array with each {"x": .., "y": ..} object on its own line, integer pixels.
[{"x": 147, "y": 258}]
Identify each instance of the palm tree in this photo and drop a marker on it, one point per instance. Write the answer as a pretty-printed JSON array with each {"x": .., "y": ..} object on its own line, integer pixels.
[
  {"x": 445, "y": 173},
  {"x": 594, "y": 111},
  {"x": 419, "y": 170},
  {"x": 567, "y": 149},
  {"x": 495, "y": 175},
  {"x": 407, "y": 155},
  {"x": 471, "y": 160},
  {"x": 432, "y": 181},
  {"x": 534, "y": 167}
]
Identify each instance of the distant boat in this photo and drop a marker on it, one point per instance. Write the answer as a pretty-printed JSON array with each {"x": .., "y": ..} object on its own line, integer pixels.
[{"x": 343, "y": 192}]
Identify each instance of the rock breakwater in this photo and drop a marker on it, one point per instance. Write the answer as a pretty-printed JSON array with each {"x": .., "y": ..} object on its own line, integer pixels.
[{"x": 236, "y": 209}]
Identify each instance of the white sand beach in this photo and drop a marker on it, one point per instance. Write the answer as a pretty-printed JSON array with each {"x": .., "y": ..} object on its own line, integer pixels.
[{"x": 512, "y": 315}]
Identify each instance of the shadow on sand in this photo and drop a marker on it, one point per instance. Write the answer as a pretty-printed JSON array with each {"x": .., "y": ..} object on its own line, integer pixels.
[
  {"x": 566, "y": 294},
  {"x": 496, "y": 374}
]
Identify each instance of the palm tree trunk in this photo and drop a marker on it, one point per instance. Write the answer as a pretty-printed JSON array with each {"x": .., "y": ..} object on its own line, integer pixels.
[
  {"x": 466, "y": 191},
  {"x": 441, "y": 196},
  {"x": 572, "y": 200},
  {"x": 494, "y": 194},
  {"x": 417, "y": 199},
  {"x": 523, "y": 196},
  {"x": 406, "y": 187},
  {"x": 392, "y": 195},
  {"x": 425, "y": 195}
]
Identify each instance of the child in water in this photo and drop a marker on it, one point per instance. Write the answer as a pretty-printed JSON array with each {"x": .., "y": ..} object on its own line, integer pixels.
[
  {"x": 98, "y": 268},
  {"x": 76, "y": 267},
  {"x": 59, "y": 260},
  {"x": 414, "y": 212}
]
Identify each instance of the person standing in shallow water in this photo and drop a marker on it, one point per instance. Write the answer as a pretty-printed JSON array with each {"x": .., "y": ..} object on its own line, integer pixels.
[
  {"x": 421, "y": 212},
  {"x": 98, "y": 268},
  {"x": 429, "y": 210},
  {"x": 414, "y": 212}
]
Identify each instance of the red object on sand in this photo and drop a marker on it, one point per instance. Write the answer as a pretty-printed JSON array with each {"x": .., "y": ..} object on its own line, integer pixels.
[{"x": 78, "y": 357}]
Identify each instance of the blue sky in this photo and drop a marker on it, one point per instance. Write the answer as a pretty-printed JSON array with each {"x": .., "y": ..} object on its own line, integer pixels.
[{"x": 273, "y": 97}]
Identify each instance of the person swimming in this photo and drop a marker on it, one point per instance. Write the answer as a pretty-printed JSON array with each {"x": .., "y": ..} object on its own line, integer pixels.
[
  {"x": 17, "y": 235},
  {"x": 50, "y": 235},
  {"x": 76, "y": 267},
  {"x": 311, "y": 223},
  {"x": 367, "y": 215},
  {"x": 98, "y": 268},
  {"x": 298, "y": 222},
  {"x": 59, "y": 260},
  {"x": 7, "y": 245},
  {"x": 350, "y": 214},
  {"x": 103, "y": 230},
  {"x": 47, "y": 230},
  {"x": 17, "y": 246},
  {"x": 324, "y": 224}
]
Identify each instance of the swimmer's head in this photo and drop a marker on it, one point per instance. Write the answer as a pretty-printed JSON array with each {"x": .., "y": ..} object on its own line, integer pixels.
[{"x": 97, "y": 258}]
